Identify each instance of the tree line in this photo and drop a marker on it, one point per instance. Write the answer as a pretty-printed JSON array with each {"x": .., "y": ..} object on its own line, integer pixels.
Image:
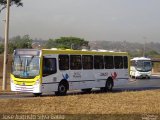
[
  {"x": 134, "y": 49},
  {"x": 22, "y": 42}
]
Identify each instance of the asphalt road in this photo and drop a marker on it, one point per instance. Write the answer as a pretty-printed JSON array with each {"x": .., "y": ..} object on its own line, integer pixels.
[
  {"x": 141, "y": 84},
  {"x": 132, "y": 85}
]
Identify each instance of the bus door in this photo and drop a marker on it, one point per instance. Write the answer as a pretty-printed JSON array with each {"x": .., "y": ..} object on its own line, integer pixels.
[{"x": 49, "y": 68}]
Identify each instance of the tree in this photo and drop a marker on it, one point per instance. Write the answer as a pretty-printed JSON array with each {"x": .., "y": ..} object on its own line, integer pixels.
[
  {"x": 12, "y": 2},
  {"x": 67, "y": 43},
  {"x": 152, "y": 53},
  {"x": 50, "y": 43},
  {"x": 19, "y": 42},
  {"x": 1, "y": 48}
]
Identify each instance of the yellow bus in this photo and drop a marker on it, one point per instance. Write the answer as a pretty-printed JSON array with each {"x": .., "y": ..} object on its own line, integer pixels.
[{"x": 54, "y": 70}]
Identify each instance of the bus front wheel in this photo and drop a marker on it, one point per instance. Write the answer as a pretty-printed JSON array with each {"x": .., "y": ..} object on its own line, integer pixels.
[{"x": 62, "y": 89}]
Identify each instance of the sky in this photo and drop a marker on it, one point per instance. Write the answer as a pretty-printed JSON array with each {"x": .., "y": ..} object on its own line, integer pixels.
[{"x": 93, "y": 20}]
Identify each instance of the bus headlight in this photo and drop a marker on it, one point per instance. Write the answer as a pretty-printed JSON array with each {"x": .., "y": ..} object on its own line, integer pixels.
[
  {"x": 11, "y": 80},
  {"x": 37, "y": 82}
]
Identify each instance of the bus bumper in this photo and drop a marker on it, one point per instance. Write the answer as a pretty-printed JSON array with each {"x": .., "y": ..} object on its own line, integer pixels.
[
  {"x": 32, "y": 89},
  {"x": 142, "y": 74}
]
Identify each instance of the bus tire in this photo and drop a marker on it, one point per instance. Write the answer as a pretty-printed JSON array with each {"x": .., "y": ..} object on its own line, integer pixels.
[
  {"x": 37, "y": 94},
  {"x": 86, "y": 90},
  {"x": 62, "y": 89},
  {"x": 148, "y": 77},
  {"x": 103, "y": 89},
  {"x": 131, "y": 76},
  {"x": 109, "y": 84}
]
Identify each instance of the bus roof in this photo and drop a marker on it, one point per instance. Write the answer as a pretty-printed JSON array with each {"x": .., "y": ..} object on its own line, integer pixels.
[
  {"x": 31, "y": 52},
  {"x": 86, "y": 52},
  {"x": 140, "y": 58}
]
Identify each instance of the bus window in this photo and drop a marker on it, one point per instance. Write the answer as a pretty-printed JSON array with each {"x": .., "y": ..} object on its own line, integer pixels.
[
  {"x": 49, "y": 66},
  {"x": 63, "y": 62},
  {"x": 118, "y": 62},
  {"x": 87, "y": 61},
  {"x": 98, "y": 62},
  {"x": 125, "y": 59},
  {"x": 133, "y": 63},
  {"x": 108, "y": 60},
  {"x": 75, "y": 62}
]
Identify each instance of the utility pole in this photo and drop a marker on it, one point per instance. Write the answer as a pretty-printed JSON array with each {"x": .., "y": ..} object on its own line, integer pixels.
[
  {"x": 144, "y": 46},
  {"x": 144, "y": 49},
  {"x": 4, "y": 84},
  {"x": 72, "y": 46}
]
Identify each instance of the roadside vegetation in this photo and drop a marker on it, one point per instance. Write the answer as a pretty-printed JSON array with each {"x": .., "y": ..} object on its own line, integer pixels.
[
  {"x": 25, "y": 41},
  {"x": 117, "y": 103}
]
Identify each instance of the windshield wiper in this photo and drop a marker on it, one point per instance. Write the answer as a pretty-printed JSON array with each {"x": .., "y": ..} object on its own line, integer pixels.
[
  {"x": 20, "y": 60},
  {"x": 24, "y": 77},
  {"x": 30, "y": 60}
]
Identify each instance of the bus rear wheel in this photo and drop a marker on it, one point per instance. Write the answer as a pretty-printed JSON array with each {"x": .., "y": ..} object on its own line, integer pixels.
[
  {"x": 103, "y": 89},
  {"x": 109, "y": 84},
  {"x": 62, "y": 89}
]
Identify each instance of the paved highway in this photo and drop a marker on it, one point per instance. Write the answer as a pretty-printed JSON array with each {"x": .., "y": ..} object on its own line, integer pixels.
[
  {"x": 141, "y": 84},
  {"x": 133, "y": 85}
]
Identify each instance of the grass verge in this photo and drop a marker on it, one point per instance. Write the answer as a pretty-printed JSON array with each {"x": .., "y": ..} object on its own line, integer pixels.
[{"x": 142, "y": 102}]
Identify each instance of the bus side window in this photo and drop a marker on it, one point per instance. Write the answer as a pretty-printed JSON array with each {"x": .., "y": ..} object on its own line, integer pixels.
[
  {"x": 118, "y": 62},
  {"x": 63, "y": 62},
  {"x": 98, "y": 62},
  {"x": 87, "y": 62},
  {"x": 125, "y": 59},
  {"x": 49, "y": 66},
  {"x": 75, "y": 62},
  {"x": 108, "y": 60}
]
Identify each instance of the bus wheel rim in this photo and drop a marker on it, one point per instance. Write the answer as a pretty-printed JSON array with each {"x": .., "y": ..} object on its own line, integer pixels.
[
  {"x": 62, "y": 88},
  {"x": 109, "y": 85}
]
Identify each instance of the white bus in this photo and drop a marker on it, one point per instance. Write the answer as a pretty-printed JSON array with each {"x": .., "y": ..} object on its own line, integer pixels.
[
  {"x": 46, "y": 70},
  {"x": 141, "y": 67}
]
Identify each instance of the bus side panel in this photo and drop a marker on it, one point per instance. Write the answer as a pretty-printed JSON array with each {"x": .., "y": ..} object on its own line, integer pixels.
[
  {"x": 50, "y": 83},
  {"x": 122, "y": 77},
  {"x": 89, "y": 80},
  {"x": 100, "y": 75}
]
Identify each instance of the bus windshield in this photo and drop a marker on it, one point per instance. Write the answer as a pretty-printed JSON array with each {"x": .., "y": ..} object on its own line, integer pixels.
[
  {"x": 143, "y": 66},
  {"x": 25, "y": 66}
]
